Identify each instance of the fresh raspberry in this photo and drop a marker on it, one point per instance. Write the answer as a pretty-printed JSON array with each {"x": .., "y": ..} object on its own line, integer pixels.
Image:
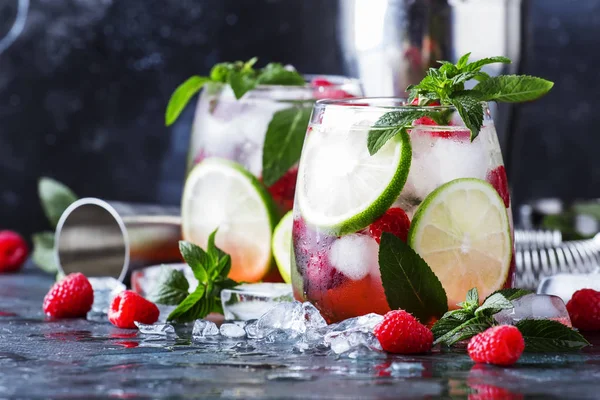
[
  {"x": 128, "y": 307},
  {"x": 13, "y": 251},
  {"x": 394, "y": 221},
  {"x": 499, "y": 345},
  {"x": 72, "y": 297},
  {"x": 584, "y": 310},
  {"x": 401, "y": 333},
  {"x": 497, "y": 178},
  {"x": 283, "y": 190}
]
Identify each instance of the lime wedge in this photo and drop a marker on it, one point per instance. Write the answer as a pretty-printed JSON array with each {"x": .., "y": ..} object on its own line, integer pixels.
[
  {"x": 462, "y": 231},
  {"x": 282, "y": 246},
  {"x": 341, "y": 187},
  {"x": 222, "y": 194}
]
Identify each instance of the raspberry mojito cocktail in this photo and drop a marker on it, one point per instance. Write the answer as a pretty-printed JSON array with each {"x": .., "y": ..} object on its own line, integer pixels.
[
  {"x": 446, "y": 196},
  {"x": 242, "y": 165},
  {"x": 405, "y": 204}
]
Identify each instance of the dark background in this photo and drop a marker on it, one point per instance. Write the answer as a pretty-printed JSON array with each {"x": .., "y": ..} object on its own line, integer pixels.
[{"x": 83, "y": 90}]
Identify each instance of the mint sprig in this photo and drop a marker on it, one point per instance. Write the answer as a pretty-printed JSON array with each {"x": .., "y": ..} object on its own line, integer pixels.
[
  {"x": 446, "y": 85},
  {"x": 241, "y": 76},
  {"x": 171, "y": 289},
  {"x": 549, "y": 336},
  {"x": 210, "y": 268},
  {"x": 408, "y": 282}
]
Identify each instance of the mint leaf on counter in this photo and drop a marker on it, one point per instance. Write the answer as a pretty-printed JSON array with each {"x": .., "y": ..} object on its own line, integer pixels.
[
  {"x": 211, "y": 268},
  {"x": 43, "y": 251},
  {"x": 513, "y": 88},
  {"x": 283, "y": 142},
  {"x": 171, "y": 289},
  {"x": 408, "y": 282},
  {"x": 492, "y": 305},
  {"x": 549, "y": 336},
  {"x": 182, "y": 96},
  {"x": 55, "y": 198}
]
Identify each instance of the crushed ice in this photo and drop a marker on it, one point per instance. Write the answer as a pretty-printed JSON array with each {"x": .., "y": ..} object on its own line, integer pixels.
[{"x": 299, "y": 327}]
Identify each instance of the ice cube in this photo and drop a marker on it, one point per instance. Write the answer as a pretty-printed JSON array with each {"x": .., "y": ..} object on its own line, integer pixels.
[
  {"x": 564, "y": 285},
  {"x": 535, "y": 306},
  {"x": 203, "y": 328},
  {"x": 292, "y": 318},
  {"x": 232, "y": 331},
  {"x": 156, "y": 329},
  {"x": 251, "y": 301},
  {"x": 285, "y": 316},
  {"x": 312, "y": 317},
  {"x": 251, "y": 328},
  {"x": 351, "y": 340},
  {"x": 354, "y": 255},
  {"x": 436, "y": 161},
  {"x": 353, "y": 333},
  {"x": 364, "y": 323},
  {"x": 105, "y": 289}
]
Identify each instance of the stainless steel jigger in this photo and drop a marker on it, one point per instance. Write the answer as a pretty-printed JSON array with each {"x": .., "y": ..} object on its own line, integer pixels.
[{"x": 112, "y": 239}]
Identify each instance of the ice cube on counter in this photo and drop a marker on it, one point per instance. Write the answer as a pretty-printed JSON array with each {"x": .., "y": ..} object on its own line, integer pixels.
[
  {"x": 251, "y": 301},
  {"x": 105, "y": 289},
  {"x": 156, "y": 329},
  {"x": 295, "y": 317},
  {"x": 564, "y": 285},
  {"x": 535, "y": 306},
  {"x": 232, "y": 331},
  {"x": 203, "y": 328},
  {"x": 353, "y": 334}
]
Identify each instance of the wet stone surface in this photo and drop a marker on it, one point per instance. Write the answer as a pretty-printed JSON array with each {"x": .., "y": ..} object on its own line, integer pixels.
[{"x": 79, "y": 358}]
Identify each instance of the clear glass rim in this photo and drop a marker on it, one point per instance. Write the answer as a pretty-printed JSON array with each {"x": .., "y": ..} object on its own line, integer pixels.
[
  {"x": 381, "y": 103},
  {"x": 338, "y": 82}
]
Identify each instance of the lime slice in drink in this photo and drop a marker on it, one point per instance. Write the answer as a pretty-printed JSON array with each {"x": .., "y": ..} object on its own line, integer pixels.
[
  {"x": 282, "y": 246},
  {"x": 341, "y": 187},
  {"x": 462, "y": 231},
  {"x": 222, "y": 194}
]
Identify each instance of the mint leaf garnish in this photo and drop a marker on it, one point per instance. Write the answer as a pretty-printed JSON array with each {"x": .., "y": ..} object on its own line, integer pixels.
[
  {"x": 446, "y": 86},
  {"x": 43, "y": 251},
  {"x": 277, "y": 74},
  {"x": 464, "y": 331},
  {"x": 476, "y": 65},
  {"x": 511, "y": 293},
  {"x": 55, "y": 198},
  {"x": 399, "y": 122},
  {"x": 241, "y": 76},
  {"x": 470, "y": 109},
  {"x": 241, "y": 83},
  {"x": 171, "y": 289},
  {"x": 210, "y": 267},
  {"x": 408, "y": 282},
  {"x": 548, "y": 336},
  {"x": 182, "y": 96},
  {"x": 283, "y": 142},
  {"x": 513, "y": 88}
]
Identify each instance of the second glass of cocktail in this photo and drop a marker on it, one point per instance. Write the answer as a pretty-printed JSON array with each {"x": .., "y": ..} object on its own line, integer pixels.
[{"x": 440, "y": 192}]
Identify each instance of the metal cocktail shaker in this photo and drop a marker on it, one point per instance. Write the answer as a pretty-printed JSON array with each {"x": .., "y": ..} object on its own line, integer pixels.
[
  {"x": 111, "y": 239},
  {"x": 390, "y": 44}
]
